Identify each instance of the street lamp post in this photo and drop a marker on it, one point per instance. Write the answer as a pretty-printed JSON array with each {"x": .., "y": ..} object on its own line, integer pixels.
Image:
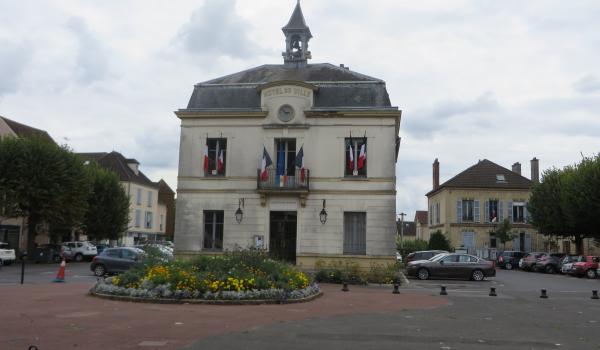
[{"x": 401, "y": 215}]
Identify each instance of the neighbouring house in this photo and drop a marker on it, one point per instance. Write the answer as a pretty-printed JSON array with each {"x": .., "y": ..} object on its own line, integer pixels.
[
  {"x": 406, "y": 230},
  {"x": 422, "y": 226},
  {"x": 295, "y": 158},
  {"x": 166, "y": 199},
  {"x": 14, "y": 231},
  {"x": 148, "y": 212},
  {"x": 473, "y": 203}
]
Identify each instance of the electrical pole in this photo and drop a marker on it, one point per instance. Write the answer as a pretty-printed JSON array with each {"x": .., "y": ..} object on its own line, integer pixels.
[{"x": 402, "y": 215}]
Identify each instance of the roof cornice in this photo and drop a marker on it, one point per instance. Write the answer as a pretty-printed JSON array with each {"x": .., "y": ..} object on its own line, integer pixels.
[
  {"x": 287, "y": 82},
  {"x": 220, "y": 114}
]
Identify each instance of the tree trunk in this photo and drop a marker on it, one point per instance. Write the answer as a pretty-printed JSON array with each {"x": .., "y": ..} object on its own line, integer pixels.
[
  {"x": 32, "y": 222},
  {"x": 579, "y": 245}
]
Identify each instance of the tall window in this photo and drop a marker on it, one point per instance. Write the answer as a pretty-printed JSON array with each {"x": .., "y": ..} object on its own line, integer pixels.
[
  {"x": 138, "y": 218},
  {"x": 285, "y": 160},
  {"x": 437, "y": 213},
  {"x": 213, "y": 229},
  {"x": 217, "y": 155},
  {"x": 148, "y": 220},
  {"x": 493, "y": 211},
  {"x": 468, "y": 210},
  {"x": 518, "y": 212},
  {"x": 139, "y": 196},
  {"x": 355, "y": 233},
  {"x": 149, "y": 199},
  {"x": 354, "y": 166}
]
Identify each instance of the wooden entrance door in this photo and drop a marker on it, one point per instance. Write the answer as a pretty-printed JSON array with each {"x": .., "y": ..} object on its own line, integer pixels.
[{"x": 282, "y": 239}]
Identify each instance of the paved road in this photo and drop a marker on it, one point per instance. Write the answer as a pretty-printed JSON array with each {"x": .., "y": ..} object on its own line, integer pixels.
[{"x": 45, "y": 273}]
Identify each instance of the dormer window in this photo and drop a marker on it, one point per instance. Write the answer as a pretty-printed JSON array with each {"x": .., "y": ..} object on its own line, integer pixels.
[{"x": 500, "y": 178}]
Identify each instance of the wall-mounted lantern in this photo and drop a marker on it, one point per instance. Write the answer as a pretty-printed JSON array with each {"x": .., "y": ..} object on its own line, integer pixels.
[
  {"x": 239, "y": 214},
  {"x": 323, "y": 214}
]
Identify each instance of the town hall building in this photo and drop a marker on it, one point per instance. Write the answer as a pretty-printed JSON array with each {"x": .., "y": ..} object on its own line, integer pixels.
[{"x": 294, "y": 158}]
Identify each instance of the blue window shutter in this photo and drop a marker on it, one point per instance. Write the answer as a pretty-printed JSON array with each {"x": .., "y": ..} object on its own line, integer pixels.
[
  {"x": 510, "y": 211},
  {"x": 459, "y": 211},
  {"x": 438, "y": 213},
  {"x": 525, "y": 214},
  {"x": 476, "y": 214},
  {"x": 500, "y": 212},
  {"x": 486, "y": 213}
]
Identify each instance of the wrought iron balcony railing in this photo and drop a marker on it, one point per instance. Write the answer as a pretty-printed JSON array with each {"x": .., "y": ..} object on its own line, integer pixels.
[{"x": 274, "y": 182}]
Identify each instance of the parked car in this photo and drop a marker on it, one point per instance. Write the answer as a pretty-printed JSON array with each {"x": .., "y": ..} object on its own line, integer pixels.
[
  {"x": 567, "y": 263},
  {"x": 548, "y": 263},
  {"x": 452, "y": 265},
  {"x": 509, "y": 259},
  {"x": 7, "y": 256},
  {"x": 48, "y": 253},
  {"x": 423, "y": 255},
  {"x": 101, "y": 247},
  {"x": 588, "y": 267},
  {"x": 165, "y": 251},
  {"x": 115, "y": 260},
  {"x": 528, "y": 262},
  {"x": 81, "y": 250}
]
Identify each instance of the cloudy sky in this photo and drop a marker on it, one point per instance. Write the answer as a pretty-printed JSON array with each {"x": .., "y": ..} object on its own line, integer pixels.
[{"x": 502, "y": 80}]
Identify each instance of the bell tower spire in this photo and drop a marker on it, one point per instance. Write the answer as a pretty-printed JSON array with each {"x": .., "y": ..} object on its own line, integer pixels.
[{"x": 297, "y": 34}]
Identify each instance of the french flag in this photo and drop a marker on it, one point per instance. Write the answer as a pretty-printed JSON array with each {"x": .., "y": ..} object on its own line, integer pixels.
[
  {"x": 206, "y": 158},
  {"x": 300, "y": 163},
  {"x": 362, "y": 157},
  {"x": 266, "y": 162},
  {"x": 351, "y": 154}
]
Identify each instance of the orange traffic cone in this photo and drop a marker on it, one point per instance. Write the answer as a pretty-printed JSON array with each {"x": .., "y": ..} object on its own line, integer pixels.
[{"x": 60, "y": 276}]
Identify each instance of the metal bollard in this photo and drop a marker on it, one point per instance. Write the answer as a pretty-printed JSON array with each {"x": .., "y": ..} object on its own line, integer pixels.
[
  {"x": 493, "y": 292},
  {"x": 443, "y": 290},
  {"x": 396, "y": 290},
  {"x": 544, "y": 295},
  {"x": 595, "y": 294},
  {"x": 345, "y": 287}
]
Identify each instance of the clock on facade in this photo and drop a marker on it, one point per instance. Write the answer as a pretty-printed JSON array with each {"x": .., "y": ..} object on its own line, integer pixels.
[{"x": 286, "y": 113}]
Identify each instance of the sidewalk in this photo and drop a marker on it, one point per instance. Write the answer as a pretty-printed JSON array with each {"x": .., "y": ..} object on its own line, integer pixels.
[{"x": 55, "y": 316}]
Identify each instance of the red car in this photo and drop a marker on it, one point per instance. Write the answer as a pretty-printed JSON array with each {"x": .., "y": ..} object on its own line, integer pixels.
[{"x": 587, "y": 267}]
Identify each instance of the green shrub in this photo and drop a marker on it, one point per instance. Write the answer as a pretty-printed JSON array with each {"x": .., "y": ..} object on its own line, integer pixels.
[{"x": 438, "y": 241}]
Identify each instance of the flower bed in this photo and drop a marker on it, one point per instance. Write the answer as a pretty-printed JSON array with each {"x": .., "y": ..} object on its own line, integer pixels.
[
  {"x": 233, "y": 276},
  {"x": 348, "y": 271}
]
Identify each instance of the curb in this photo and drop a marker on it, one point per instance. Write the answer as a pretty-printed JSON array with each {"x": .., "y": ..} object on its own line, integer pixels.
[{"x": 203, "y": 301}]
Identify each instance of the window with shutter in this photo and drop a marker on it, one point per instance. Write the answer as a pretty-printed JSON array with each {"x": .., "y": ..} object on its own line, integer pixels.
[
  {"x": 500, "y": 212},
  {"x": 138, "y": 218},
  {"x": 476, "y": 213},
  {"x": 216, "y": 147},
  {"x": 510, "y": 211},
  {"x": 355, "y": 233},
  {"x": 459, "y": 211},
  {"x": 486, "y": 213},
  {"x": 468, "y": 210}
]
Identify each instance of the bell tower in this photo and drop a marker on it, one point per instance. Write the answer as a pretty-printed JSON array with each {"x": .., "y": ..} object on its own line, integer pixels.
[{"x": 297, "y": 35}]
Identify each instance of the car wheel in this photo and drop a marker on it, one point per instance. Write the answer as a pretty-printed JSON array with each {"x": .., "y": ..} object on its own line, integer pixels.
[
  {"x": 99, "y": 270},
  {"x": 423, "y": 274},
  {"x": 508, "y": 266},
  {"x": 549, "y": 269},
  {"x": 78, "y": 257},
  {"x": 590, "y": 273},
  {"x": 477, "y": 275}
]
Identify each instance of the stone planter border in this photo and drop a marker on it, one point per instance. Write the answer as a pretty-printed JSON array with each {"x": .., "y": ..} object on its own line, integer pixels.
[{"x": 204, "y": 301}]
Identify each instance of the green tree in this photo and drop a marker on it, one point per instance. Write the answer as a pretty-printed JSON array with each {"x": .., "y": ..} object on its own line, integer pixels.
[
  {"x": 438, "y": 241},
  {"x": 502, "y": 232},
  {"x": 408, "y": 246},
  {"x": 43, "y": 182},
  {"x": 108, "y": 205}
]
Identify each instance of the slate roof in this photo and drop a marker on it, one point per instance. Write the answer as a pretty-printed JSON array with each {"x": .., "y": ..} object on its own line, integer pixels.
[
  {"x": 116, "y": 162},
  {"x": 297, "y": 21},
  {"x": 338, "y": 87},
  {"x": 421, "y": 216},
  {"x": 483, "y": 175},
  {"x": 25, "y": 131}
]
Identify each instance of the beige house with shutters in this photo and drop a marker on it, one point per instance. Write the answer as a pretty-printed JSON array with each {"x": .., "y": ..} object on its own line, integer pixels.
[
  {"x": 471, "y": 204},
  {"x": 337, "y": 210}
]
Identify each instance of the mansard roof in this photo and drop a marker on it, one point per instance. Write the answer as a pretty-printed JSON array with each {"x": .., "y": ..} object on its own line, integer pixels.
[
  {"x": 116, "y": 162},
  {"x": 338, "y": 87},
  {"x": 26, "y": 131}
]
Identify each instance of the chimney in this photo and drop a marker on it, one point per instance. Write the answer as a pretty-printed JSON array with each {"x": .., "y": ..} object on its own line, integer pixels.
[
  {"x": 436, "y": 174},
  {"x": 516, "y": 168},
  {"x": 535, "y": 170}
]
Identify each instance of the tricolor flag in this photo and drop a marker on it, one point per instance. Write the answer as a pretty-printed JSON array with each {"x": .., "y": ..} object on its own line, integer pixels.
[
  {"x": 206, "y": 158},
  {"x": 300, "y": 163},
  {"x": 266, "y": 161},
  {"x": 351, "y": 154},
  {"x": 220, "y": 162},
  {"x": 362, "y": 157}
]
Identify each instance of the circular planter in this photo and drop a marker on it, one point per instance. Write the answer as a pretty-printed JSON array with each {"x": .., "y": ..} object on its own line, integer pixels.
[{"x": 205, "y": 301}]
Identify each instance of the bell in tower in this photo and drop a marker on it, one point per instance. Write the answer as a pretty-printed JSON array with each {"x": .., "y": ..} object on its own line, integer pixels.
[{"x": 297, "y": 35}]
